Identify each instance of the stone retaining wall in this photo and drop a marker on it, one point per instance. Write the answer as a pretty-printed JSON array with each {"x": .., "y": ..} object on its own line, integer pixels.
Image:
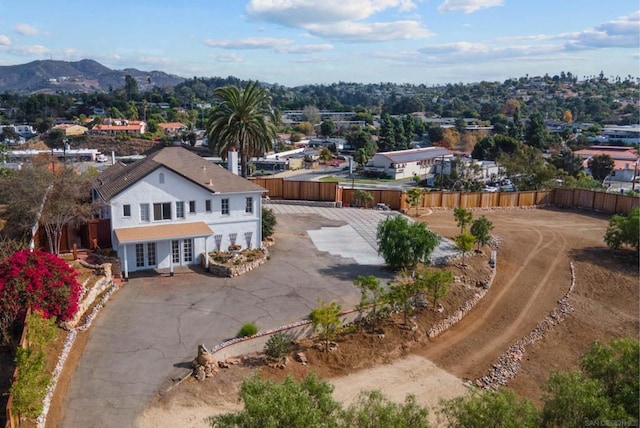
[
  {"x": 89, "y": 296},
  {"x": 508, "y": 364},
  {"x": 236, "y": 270},
  {"x": 469, "y": 304},
  {"x": 248, "y": 345}
]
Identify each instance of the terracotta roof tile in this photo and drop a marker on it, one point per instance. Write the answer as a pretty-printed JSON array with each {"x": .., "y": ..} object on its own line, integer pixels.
[{"x": 129, "y": 235}]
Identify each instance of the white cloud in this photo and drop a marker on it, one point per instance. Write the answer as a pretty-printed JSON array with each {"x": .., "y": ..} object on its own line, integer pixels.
[
  {"x": 623, "y": 32},
  {"x": 4, "y": 40},
  {"x": 249, "y": 43},
  {"x": 341, "y": 20},
  {"x": 229, "y": 57},
  {"x": 26, "y": 29},
  {"x": 468, "y": 6},
  {"x": 298, "y": 13},
  {"x": 305, "y": 49},
  {"x": 357, "y": 32},
  {"x": 34, "y": 50}
]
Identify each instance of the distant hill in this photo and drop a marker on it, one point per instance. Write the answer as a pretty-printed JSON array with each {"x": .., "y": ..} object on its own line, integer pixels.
[{"x": 83, "y": 76}]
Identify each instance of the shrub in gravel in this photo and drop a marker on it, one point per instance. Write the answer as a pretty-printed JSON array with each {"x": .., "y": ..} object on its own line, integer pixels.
[
  {"x": 277, "y": 346},
  {"x": 249, "y": 329}
]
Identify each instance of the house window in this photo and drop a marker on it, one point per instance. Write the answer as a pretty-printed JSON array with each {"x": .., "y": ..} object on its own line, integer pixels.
[
  {"x": 225, "y": 207},
  {"x": 161, "y": 178},
  {"x": 144, "y": 212},
  {"x": 192, "y": 207},
  {"x": 162, "y": 211},
  {"x": 140, "y": 255},
  {"x": 126, "y": 210},
  {"x": 187, "y": 250},
  {"x": 207, "y": 205},
  {"x": 248, "y": 207},
  {"x": 179, "y": 209},
  {"x": 151, "y": 254},
  {"x": 175, "y": 251}
]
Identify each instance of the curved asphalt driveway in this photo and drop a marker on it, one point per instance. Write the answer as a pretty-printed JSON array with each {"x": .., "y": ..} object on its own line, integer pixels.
[{"x": 148, "y": 333}]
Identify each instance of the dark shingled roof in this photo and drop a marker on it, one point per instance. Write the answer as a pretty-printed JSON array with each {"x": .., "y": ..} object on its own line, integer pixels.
[{"x": 189, "y": 165}]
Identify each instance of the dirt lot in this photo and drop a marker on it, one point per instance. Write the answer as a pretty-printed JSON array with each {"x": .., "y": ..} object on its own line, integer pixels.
[{"x": 533, "y": 273}]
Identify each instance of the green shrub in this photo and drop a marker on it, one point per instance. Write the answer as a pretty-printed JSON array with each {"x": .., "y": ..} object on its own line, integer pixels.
[
  {"x": 277, "y": 346},
  {"x": 268, "y": 222},
  {"x": 249, "y": 329}
]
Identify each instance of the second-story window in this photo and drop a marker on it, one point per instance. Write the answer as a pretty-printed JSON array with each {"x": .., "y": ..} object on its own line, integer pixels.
[
  {"x": 248, "y": 208},
  {"x": 126, "y": 210},
  {"x": 144, "y": 212},
  {"x": 207, "y": 205},
  {"x": 161, "y": 178},
  {"x": 192, "y": 207},
  {"x": 162, "y": 211},
  {"x": 179, "y": 209},
  {"x": 224, "y": 210}
]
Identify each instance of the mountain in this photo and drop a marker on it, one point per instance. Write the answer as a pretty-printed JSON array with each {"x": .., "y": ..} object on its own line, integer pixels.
[{"x": 80, "y": 76}]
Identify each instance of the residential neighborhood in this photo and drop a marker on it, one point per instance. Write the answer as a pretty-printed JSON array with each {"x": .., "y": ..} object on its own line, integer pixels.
[{"x": 193, "y": 245}]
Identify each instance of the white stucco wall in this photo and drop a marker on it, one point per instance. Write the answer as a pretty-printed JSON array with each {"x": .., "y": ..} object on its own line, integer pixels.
[{"x": 150, "y": 190}]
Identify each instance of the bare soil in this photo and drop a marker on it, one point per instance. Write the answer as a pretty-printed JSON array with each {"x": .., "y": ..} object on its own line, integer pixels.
[{"x": 533, "y": 273}]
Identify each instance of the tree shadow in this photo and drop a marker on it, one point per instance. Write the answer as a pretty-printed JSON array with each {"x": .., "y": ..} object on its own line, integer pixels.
[
  {"x": 612, "y": 260},
  {"x": 350, "y": 271}
]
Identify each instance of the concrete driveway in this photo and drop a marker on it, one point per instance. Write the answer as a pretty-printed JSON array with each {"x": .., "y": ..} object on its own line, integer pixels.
[{"x": 148, "y": 333}]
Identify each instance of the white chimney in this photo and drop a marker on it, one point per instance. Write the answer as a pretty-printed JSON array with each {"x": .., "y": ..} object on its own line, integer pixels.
[{"x": 232, "y": 161}]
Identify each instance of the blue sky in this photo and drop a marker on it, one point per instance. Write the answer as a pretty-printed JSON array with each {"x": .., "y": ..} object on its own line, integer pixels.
[{"x": 293, "y": 42}]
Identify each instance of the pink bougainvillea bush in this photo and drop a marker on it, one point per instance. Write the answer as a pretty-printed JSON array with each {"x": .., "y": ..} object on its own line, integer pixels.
[{"x": 38, "y": 280}]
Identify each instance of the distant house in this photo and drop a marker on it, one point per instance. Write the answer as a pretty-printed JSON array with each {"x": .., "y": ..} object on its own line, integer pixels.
[
  {"x": 71, "y": 129},
  {"x": 173, "y": 205},
  {"x": 626, "y": 160},
  {"x": 120, "y": 126},
  {"x": 172, "y": 128},
  {"x": 407, "y": 163}
]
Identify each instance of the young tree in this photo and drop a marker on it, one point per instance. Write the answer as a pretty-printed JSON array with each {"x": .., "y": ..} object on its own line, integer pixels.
[
  {"x": 600, "y": 166},
  {"x": 268, "y": 222},
  {"x": 402, "y": 290},
  {"x": 67, "y": 203},
  {"x": 436, "y": 282},
  {"x": 481, "y": 230},
  {"x": 326, "y": 321},
  {"x": 463, "y": 217},
  {"x": 403, "y": 245},
  {"x": 327, "y": 127},
  {"x": 371, "y": 292},
  {"x": 414, "y": 197},
  {"x": 373, "y": 409},
  {"x": 617, "y": 367},
  {"x": 464, "y": 243},
  {"x": 362, "y": 197},
  {"x": 624, "y": 230},
  {"x": 325, "y": 155},
  {"x": 361, "y": 157},
  {"x": 307, "y": 403},
  {"x": 490, "y": 409},
  {"x": 575, "y": 401}
]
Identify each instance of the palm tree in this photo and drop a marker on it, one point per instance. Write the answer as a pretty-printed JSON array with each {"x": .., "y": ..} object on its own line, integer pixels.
[{"x": 244, "y": 121}]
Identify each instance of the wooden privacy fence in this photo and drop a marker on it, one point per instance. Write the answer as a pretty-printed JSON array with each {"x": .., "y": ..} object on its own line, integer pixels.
[
  {"x": 597, "y": 201},
  {"x": 279, "y": 188},
  {"x": 396, "y": 199}
]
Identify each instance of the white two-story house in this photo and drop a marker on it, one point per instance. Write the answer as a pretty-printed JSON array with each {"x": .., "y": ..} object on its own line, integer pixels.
[{"x": 173, "y": 205}]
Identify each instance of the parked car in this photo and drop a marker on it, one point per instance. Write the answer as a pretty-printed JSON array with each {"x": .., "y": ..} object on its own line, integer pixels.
[
  {"x": 381, "y": 207},
  {"x": 101, "y": 158}
]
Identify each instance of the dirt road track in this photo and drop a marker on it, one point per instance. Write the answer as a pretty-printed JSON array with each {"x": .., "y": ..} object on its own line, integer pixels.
[{"x": 533, "y": 273}]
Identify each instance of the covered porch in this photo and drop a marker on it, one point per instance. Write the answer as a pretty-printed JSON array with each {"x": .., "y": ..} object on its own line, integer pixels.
[{"x": 161, "y": 246}]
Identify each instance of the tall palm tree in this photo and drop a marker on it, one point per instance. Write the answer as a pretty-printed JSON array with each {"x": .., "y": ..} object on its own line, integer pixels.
[{"x": 243, "y": 120}]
